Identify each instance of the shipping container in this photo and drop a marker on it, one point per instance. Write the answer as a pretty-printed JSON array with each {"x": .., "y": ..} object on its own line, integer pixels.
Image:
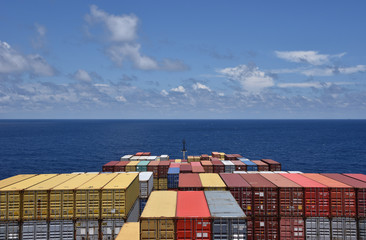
[
  {"x": 34, "y": 230},
  {"x": 118, "y": 196},
  {"x": 109, "y": 167},
  {"x": 207, "y": 166},
  {"x": 215, "y": 154},
  {"x": 344, "y": 228},
  {"x": 142, "y": 166},
  {"x": 135, "y": 158},
  {"x": 197, "y": 167},
  {"x": 143, "y": 202},
  {"x": 164, "y": 158},
  {"x": 204, "y": 157},
  {"x": 317, "y": 228},
  {"x": 146, "y": 184},
  {"x": 228, "y": 219},
  {"x": 174, "y": 165},
  {"x": 9, "y": 230},
  {"x": 190, "y": 159},
  {"x": 173, "y": 178},
  {"x": 316, "y": 195},
  {"x": 229, "y": 166},
  {"x": 262, "y": 166},
  {"x": 134, "y": 214},
  {"x": 240, "y": 189},
  {"x": 362, "y": 229},
  {"x": 342, "y": 196},
  {"x": 230, "y": 157},
  {"x": 62, "y": 197},
  {"x": 292, "y": 228},
  {"x": 126, "y": 158},
  {"x": 139, "y": 153},
  {"x": 36, "y": 198},
  {"x": 14, "y": 179},
  {"x": 193, "y": 216},
  {"x": 239, "y": 166},
  {"x": 163, "y": 183},
  {"x": 251, "y": 166},
  {"x": 218, "y": 166},
  {"x": 110, "y": 228},
  {"x": 10, "y": 197},
  {"x": 358, "y": 176},
  {"x": 178, "y": 160},
  {"x": 163, "y": 169},
  {"x": 265, "y": 195},
  {"x": 360, "y": 188},
  {"x": 156, "y": 184},
  {"x": 265, "y": 228},
  {"x": 212, "y": 182},
  {"x": 61, "y": 229},
  {"x": 154, "y": 167},
  {"x": 222, "y": 155},
  {"x": 120, "y": 167},
  {"x": 152, "y": 158},
  {"x": 185, "y": 168},
  {"x": 129, "y": 231},
  {"x": 131, "y": 166},
  {"x": 273, "y": 165},
  {"x": 189, "y": 182},
  {"x": 157, "y": 219},
  {"x": 86, "y": 229},
  {"x": 88, "y": 195},
  {"x": 290, "y": 195}
]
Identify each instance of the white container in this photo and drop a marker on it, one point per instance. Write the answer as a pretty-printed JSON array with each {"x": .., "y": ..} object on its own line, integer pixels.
[
  {"x": 126, "y": 158},
  {"x": 34, "y": 230},
  {"x": 317, "y": 228},
  {"x": 229, "y": 166},
  {"x": 134, "y": 214},
  {"x": 87, "y": 229},
  {"x": 143, "y": 158},
  {"x": 294, "y": 172},
  {"x": 146, "y": 184},
  {"x": 344, "y": 228},
  {"x": 152, "y": 158},
  {"x": 110, "y": 228},
  {"x": 9, "y": 230},
  {"x": 135, "y": 158},
  {"x": 164, "y": 158},
  {"x": 280, "y": 172},
  {"x": 62, "y": 229},
  {"x": 244, "y": 172}
]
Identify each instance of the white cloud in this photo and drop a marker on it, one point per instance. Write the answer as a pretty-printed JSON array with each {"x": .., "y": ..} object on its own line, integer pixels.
[
  {"x": 198, "y": 86},
  {"x": 121, "y": 99},
  {"x": 164, "y": 92},
  {"x": 311, "y": 84},
  {"x": 41, "y": 30},
  {"x": 12, "y": 61},
  {"x": 310, "y": 57},
  {"x": 39, "y": 40},
  {"x": 179, "y": 89},
  {"x": 82, "y": 75},
  {"x": 250, "y": 77},
  {"x": 329, "y": 71}
]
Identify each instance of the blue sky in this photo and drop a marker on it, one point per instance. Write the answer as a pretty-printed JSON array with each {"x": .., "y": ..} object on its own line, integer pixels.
[{"x": 198, "y": 59}]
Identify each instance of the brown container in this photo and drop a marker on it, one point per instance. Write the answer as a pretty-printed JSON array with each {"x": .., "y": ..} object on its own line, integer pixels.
[
  {"x": 185, "y": 168},
  {"x": 218, "y": 166},
  {"x": 237, "y": 156},
  {"x": 109, "y": 167},
  {"x": 262, "y": 166},
  {"x": 273, "y": 165},
  {"x": 265, "y": 228},
  {"x": 215, "y": 154},
  {"x": 153, "y": 166},
  {"x": 190, "y": 182},
  {"x": 197, "y": 167},
  {"x": 207, "y": 165},
  {"x": 146, "y": 154},
  {"x": 292, "y": 228},
  {"x": 239, "y": 166},
  {"x": 163, "y": 169},
  {"x": 205, "y": 157},
  {"x": 121, "y": 166},
  {"x": 265, "y": 195},
  {"x": 230, "y": 157},
  {"x": 290, "y": 195}
]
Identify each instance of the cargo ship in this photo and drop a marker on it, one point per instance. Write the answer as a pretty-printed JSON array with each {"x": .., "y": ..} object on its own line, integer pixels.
[{"x": 210, "y": 196}]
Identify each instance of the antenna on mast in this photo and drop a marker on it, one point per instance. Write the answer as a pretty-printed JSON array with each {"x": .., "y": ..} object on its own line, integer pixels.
[{"x": 184, "y": 150}]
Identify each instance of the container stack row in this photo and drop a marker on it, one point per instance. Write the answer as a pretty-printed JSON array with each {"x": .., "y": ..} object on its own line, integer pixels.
[
  {"x": 67, "y": 206},
  {"x": 146, "y": 187}
]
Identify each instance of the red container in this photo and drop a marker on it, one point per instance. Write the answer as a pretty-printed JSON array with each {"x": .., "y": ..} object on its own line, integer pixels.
[
  {"x": 262, "y": 166},
  {"x": 230, "y": 157},
  {"x": 121, "y": 166},
  {"x": 342, "y": 196},
  {"x": 239, "y": 166},
  {"x": 197, "y": 167},
  {"x": 109, "y": 167},
  {"x": 205, "y": 157},
  {"x": 153, "y": 166},
  {"x": 292, "y": 228},
  {"x": 139, "y": 154},
  {"x": 171, "y": 160},
  {"x": 265, "y": 195},
  {"x": 237, "y": 156},
  {"x": 218, "y": 166},
  {"x": 358, "y": 176},
  {"x": 316, "y": 195},
  {"x": 193, "y": 216},
  {"x": 175, "y": 165},
  {"x": 185, "y": 168},
  {"x": 163, "y": 169},
  {"x": 273, "y": 165},
  {"x": 240, "y": 189},
  {"x": 250, "y": 229},
  {"x": 360, "y": 188},
  {"x": 189, "y": 182},
  {"x": 215, "y": 154},
  {"x": 291, "y": 195},
  {"x": 146, "y": 154},
  {"x": 266, "y": 228},
  {"x": 207, "y": 165}
]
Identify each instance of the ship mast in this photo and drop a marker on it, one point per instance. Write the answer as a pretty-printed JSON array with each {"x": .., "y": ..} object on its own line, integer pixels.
[{"x": 184, "y": 150}]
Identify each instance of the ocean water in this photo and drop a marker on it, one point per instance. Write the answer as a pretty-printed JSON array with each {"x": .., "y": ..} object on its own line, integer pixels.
[{"x": 64, "y": 146}]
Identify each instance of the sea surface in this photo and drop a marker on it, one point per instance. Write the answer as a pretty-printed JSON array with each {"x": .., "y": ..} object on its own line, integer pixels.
[{"x": 64, "y": 146}]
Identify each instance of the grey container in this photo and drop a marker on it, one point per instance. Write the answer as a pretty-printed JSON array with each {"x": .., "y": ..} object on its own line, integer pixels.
[
  {"x": 229, "y": 166},
  {"x": 134, "y": 214},
  {"x": 344, "y": 228},
  {"x": 87, "y": 229},
  {"x": 362, "y": 229},
  {"x": 317, "y": 228},
  {"x": 35, "y": 230},
  {"x": 229, "y": 220},
  {"x": 9, "y": 230},
  {"x": 61, "y": 229},
  {"x": 110, "y": 228}
]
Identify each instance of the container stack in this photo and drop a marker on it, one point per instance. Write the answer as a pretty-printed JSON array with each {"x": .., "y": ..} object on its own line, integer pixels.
[{"x": 146, "y": 187}]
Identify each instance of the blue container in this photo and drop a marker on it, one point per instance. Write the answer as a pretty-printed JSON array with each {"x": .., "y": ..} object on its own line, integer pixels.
[
  {"x": 143, "y": 202},
  {"x": 173, "y": 178},
  {"x": 251, "y": 166},
  {"x": 142, "y": 166}
]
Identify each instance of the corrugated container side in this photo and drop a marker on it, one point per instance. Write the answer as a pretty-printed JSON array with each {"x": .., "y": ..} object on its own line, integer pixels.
[
  {"x": 344, "y": 228},
  {"x": 273, "y": 165},
  {"x": 109, "y": 167},
  {"x": 173, "y": 178},
  {"x": 134, "y": 214},
  {"x": 262, "y": 166},
  {"x": 163, "y": 183},
  {"x": 156, "y": 184},
  {"x": 190, "y": 182},
  {"x": 109, "y": 228},
  {"x": 154, "y": 167},
  {"x": 9, "y": 230},
  {"x": 86, "y": 229},
  {"x": 317, "y": 228},
  {"x": 362, "y": 229},
  {"x": 143, "y": 202},
  {"x": 121, "y": 166},
  {"x": 163, "y": 169},
  {"x": 229, "y": 166},
  {"x": 207, "y": 166},
  {"x": 32, "y": 230},
  {"x": 292, "y": 228},
  {"x": 129, "y": 231},
  {"x": 63, "y": 230},
  {"x": 265, "y": 228},
  {"x": 146, "y": 184},
  {"x": 239, "y": 166},
  {"x": 131, "y": 166},
  {"x": 218, "y": 166}
]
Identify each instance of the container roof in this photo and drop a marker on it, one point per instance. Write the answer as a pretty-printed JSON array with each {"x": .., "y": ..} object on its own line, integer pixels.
[
  {"x": 28, "y": 182},
  {"x": 234, "y": 180},
  {"x": 223, "y": 205},
  {"x": 173, "y": 170},
  {"x": 206, "y": 162},
  {"x": 143, "y": 163},
  {"x": 192, "y": 204},
  {"x": 133, "y": 163},
  {"x": 346, "y": 180},
  {"x": 248, "y": 162},
  {"x": 111, "y": 163},
  {"x": 145, "y": 176},
  {"x": 129, "y": 231},
  {"x": 161, "y": 204},
  {"x": 302, "y": 180},
  {"x": 358, "y": 176},
  {"x": 189, "y": 180},
  {"x": 75, "y": 182},
  {"x": 211, "y": 180},
  {"x": 256, "y": 180},
  {"x": 14, "y": 179},
  {"x": 325, "y": 180},
  {"x": 121, "y": 181},
  {"x": 270, "y": 161},
  {"x": 237, "y": 162},
  {"x": 280, "y": 181},
  {"x": 98, "y": 182},
  {"x": 259, "y": 162},
  {"x": 227, "y": 162},
  {"x": 51, "y": 183}
]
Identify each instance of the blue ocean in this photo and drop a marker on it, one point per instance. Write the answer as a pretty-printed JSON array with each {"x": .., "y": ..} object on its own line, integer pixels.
[{"x": 64, "y": 146}]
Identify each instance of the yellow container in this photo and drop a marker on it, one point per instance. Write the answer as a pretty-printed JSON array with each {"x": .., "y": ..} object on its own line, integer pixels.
[
  {"x": 163, "y": 183},
  {"x": 190, "y": 158},
  {"x": 62, "y": 196},
  {"x": 119, "y": 195},
  {"x": 12, "y": 197},
  {"x": 212, "y": 181},
  {"x": 36, "y": 198},
  {"x": 157, "y": 219},
  {"x": 131, "y": 166},
  {"x": 197, "y": 158},
  {"x": 222, "y": 156},
  {"x": 14, "y": 179},
  {"x": 88, "y": 195},
  {"x": 178, "y": 160},
  {"x": 129, "y": 231},
  {"x": 156, "y": 183}
]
